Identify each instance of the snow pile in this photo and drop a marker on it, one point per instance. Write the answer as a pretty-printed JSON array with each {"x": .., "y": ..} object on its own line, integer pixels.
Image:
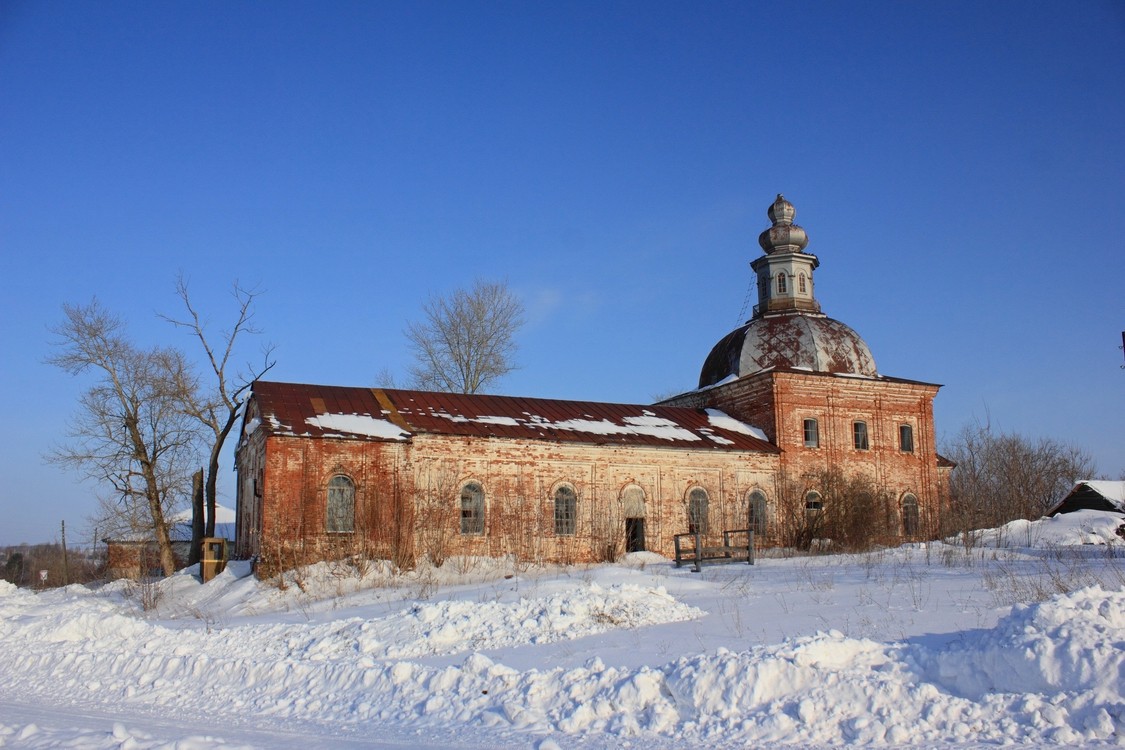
[
  {"x": 1066, "y": 529},
  {"x": 1072, "y": 643},
  {"x": 608, "y": 656}
]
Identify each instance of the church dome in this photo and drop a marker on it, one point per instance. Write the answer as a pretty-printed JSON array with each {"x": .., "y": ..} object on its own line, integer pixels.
[
  {"x": 807, "y": 342},
  {"x": 787, "y": 330}
]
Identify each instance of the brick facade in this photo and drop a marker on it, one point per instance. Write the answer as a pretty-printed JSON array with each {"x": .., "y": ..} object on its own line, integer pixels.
[{"x": 407, "y": 496}]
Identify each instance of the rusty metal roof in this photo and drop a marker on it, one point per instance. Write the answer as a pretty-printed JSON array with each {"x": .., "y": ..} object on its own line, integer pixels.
[
  {"x": 396, "y": 414},
  {"x": 799, "y": 341}
]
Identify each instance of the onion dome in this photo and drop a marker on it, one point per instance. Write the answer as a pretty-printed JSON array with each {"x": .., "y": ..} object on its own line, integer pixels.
[
  {"x": 787, "y": 330},
  {"x": 784, "y": 236}
]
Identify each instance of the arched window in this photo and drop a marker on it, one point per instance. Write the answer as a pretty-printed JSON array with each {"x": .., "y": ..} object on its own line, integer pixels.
[
  {"x": 813, "y": 503},
  {"x": 910, "y": 524},
  {"x": 472, "y": 509},
  {"x": 812, "y": 433},
  {"x": 697, "y": 511},
  {"x": 759, "y": 513},
  {"x": 781, "y": 283},
  {"x": 859, "y": 436},
  {"x": 801, "y": 283},
  {"x": 566, "y": 511},
  {"x": 339, "y": 517}
]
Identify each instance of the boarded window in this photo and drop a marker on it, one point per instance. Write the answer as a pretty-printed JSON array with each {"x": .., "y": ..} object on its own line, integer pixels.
[
  {"x": 566, "y": 511},
  {"x": 472, "y": 509},
  {"x": 759, "y": 519},
  {"x": 859, "y": 436},
  {"x": 910, "y": 523},
  {"x": 906, "y": 438},
  {"x": 340, "y": 513},
  {"x": 812, "y": 434},
  {"x": 697, "y": 511},
  {"x": 633, "y": 502}
]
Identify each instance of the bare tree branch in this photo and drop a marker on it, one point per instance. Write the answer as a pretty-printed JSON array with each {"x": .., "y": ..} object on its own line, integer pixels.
[
  {"x": 467, "y": 340},
  {"x": 217, "y": 408}
]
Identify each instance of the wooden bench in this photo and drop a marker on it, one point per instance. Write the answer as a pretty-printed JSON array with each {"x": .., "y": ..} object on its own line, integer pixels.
[{"x": 737, "y": 546}]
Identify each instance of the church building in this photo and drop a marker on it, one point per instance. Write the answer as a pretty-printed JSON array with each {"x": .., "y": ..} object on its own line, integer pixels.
[{"x": 792, "y": 432}]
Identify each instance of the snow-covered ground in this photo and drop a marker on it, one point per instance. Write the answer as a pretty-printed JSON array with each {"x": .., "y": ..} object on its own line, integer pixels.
[{"x": 1017, "y": 639}]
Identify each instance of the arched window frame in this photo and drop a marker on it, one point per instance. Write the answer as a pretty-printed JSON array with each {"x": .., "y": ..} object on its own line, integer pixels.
[
  {"x": 698, "y": 507},
  {"x": 566, "y": 510},
  {"x": 781, "y": 285},
  {"x": 801, "y": 283},
  {"x": 814, "y": 502},
  {"x": 472, "y": 509},
  {"x": 758, "y": 512},
  {"x": 860, "y": 439},
  {"x": 339, "y": 505},
  {"x": 811, "y": 429},
  {"x": 911, "y": 515}
]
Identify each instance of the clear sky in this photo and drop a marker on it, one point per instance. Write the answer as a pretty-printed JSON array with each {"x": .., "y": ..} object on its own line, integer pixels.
[{"x": 959, "y": 167}]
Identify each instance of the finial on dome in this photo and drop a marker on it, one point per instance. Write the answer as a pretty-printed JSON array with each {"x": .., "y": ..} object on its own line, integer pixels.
[
  {"x": 784, "y": 236},
  {"x": 781, "y": 211}
]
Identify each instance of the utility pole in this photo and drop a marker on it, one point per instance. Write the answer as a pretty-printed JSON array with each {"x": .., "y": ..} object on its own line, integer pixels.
[{"x": 65, "y": 564}]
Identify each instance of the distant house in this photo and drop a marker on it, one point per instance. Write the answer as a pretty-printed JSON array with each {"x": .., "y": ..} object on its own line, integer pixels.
[
  {"x": 1092, "y": 494},
  {"x": 136, "y": 555}
]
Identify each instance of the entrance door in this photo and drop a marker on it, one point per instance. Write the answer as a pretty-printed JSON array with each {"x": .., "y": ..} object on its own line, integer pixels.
[{"x": 634, "y": 535}]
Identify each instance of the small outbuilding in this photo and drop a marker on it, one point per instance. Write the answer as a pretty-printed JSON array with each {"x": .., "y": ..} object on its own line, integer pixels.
[
  {"x": 135, "y": 554},
  {"x": 1092, "y": 494}
]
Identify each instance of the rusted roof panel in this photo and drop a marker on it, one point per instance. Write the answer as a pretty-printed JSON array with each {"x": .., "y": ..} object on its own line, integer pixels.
[
  {"x": 397, "y": 414},
  {"x": 800, "y": 341}
]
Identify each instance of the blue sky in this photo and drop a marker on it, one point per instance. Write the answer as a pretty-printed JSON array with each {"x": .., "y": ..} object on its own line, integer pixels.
[{"x": 959, "y": 167}]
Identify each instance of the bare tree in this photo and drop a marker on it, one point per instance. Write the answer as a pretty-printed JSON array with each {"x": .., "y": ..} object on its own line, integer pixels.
[
  {"x": 1001, "y": 477},
  {"x": 218, "y": 407},
  {"x": 467, "y": 340},
  {"x": 130, "y": 432}
]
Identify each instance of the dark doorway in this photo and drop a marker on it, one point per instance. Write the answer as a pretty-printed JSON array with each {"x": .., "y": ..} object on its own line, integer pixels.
[{"x": 634, "y": 535}]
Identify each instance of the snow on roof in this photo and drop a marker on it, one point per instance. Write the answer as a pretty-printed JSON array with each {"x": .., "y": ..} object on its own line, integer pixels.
[
  {"x": 357, "y": 424},
  {"x": 720, "y": 419},
  {"x": 223, "y": 514},
  {"x": 1112, "y": 491},
  {"x": 393, "y": 414}
]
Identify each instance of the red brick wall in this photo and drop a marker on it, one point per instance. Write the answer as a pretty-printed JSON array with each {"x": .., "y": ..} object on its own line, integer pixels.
[
  {"x": 779, "y": 402},
  {"x": 408, "y": 496}
]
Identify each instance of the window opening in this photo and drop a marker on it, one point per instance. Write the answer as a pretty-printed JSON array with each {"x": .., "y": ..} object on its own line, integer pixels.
[
  {"x": 910, "y": 521},
  {"x": 812, "y": 434},
  {"x": 906, "y": 438},
  {"x": 340, "y": 511},
  {"x": 566, "y": 506},
  {"x": 859, "y": 436},
  {"x": 781, "y": 283},
  {"x": 813, "y": 503},
  {"x": 697, "y": 511},
  {"x": 472, "y": 509},
  {"x": 758, "y": 513}
]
